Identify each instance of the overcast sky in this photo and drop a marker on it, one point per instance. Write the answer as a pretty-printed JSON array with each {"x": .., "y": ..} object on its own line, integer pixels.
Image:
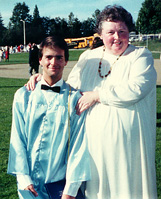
[{"x": 82, "y": 9}]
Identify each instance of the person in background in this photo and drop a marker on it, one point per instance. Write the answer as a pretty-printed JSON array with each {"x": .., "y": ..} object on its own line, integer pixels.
[
  {"x": 34, "y": 59},
  {"x": 39, "y": 137},
  {"x": 28, "y": 47},
  {"x": 4, "y": 54},
  {"x": 7, "y": 54},
  {"x": 118, "y": 81},
  {"x": 1, "y": 55},
  {"x": 19, "y": 48},
  {"x": 97, "y": 42}
]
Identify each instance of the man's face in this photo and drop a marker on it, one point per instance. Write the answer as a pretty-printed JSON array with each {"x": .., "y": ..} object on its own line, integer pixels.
[{"x": 53, "y": 62}]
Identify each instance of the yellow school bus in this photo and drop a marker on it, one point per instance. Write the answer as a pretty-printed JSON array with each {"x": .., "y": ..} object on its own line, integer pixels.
[{"x": 82, "y": 42}]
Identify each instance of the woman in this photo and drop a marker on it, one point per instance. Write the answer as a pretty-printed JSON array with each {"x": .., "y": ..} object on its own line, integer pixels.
[
  {"x": 118, "y": 82},
  {"x": 7, "y": 54}
]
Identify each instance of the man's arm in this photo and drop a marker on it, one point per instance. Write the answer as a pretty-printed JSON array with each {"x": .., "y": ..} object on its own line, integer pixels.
[
  {"x": 18, "y": 161},
  {"x": 25, "y": 183},
  {"x": 78, "y": 168}
]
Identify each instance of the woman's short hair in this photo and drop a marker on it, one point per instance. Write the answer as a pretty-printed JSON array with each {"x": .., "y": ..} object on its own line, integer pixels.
[
  {"x": 52, "y": 42},
  {"x": 115, "y": 13}
]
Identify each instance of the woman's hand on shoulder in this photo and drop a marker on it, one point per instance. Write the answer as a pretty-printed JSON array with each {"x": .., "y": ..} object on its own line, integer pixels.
[
  {"x": 30, "y": 85},
  {"x": 87, "y": 100}
]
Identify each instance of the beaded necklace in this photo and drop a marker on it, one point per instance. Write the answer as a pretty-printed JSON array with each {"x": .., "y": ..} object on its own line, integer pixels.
[{"x": 100, "y": 65}]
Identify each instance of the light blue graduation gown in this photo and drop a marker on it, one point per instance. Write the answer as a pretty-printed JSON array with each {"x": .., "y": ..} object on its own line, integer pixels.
[{"x": 39, "y": 138}]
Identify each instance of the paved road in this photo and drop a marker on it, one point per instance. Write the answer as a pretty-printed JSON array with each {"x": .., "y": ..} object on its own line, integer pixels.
[{"x": 21, "y": 70}]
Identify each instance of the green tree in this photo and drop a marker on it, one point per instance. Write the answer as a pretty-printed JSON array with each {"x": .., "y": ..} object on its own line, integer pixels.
[
  {"x": 58, "y": 26},
  {"x": 71, "y": 24},
  {"x": 2, "y": 31},
  {"x": 149, "y": 18},
  {"x": 46, "y": 22},
  {"x": 10, "y": 37},
  {"x": 71, "y": 19},
  {"x": 96, "y": 14},
  {"x": 77, "y": 28},
  {"x": 36, "y": 14},
  {"x": 74, "y": 26},
  {"x": 88, "y": 27},
  {"x": 20, "y": 12},
  {"x": 64, "y": 29},
  {"x": 36, "y": 32}
]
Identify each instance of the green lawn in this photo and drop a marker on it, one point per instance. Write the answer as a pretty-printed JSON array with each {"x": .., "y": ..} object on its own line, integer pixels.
[
  {"x": 7, "y": 90},
  {"x": 23, "y": 58},
  {"x": 153, "y": 45},
  {"x": 17, "y": 58}
]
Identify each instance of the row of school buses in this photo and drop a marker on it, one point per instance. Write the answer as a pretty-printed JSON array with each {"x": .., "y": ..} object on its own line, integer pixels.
[{"x": 82, "y": 42}]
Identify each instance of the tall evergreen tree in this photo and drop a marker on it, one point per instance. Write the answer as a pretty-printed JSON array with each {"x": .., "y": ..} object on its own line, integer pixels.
[
  {"x": 96, "y": 14},
  {"x": 20, "y": 12},
  {"x": 149, "y": 18},
  {"x": 1, "y": 23},
  {"x": 74, "y": 26},
  {"x": 37, "y": 29},
  {"x": 36, "y": 14},
  {"x": 2, "y": 31}
]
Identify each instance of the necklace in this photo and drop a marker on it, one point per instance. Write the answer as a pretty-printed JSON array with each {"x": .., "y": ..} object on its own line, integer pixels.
[{"x": 100, "y": 65}]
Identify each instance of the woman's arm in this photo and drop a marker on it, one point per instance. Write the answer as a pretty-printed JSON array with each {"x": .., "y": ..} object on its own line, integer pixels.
[
  {"x": 30, "y": 85},
  {"x": 87, "y": 100}
]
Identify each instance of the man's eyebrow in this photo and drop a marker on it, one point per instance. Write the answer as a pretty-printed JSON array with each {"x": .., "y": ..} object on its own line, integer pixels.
[{"x": 58, "y": 56}]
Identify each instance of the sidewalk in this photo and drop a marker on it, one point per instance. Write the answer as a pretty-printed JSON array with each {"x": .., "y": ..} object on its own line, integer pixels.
[{"x": 21, "y": 70}]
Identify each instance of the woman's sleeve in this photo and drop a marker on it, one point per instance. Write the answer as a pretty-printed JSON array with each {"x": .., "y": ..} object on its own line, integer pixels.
[
  {"x": 141, "y": 80},
  {"x": 74, "y": 76}
]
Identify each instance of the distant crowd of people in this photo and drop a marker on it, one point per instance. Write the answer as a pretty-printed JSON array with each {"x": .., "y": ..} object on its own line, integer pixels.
[
  {"x": 16, "y": 49},
  {"x": 33, "y": 55},
  {"x": 4, "y": 54},
  {"x": 5, "y": 51}
]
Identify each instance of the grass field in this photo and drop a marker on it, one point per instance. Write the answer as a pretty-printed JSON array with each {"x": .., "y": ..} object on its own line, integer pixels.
[
  {"x": 23, "y": 58},
  {"x": 7, "y": 90}
]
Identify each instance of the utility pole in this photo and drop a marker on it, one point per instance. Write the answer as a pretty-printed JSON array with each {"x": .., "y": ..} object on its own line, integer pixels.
[{"x": 24, "y": 32}]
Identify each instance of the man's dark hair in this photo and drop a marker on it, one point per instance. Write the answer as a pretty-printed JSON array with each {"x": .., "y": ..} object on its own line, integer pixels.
[
  {"x": 115, "y": 13},
  {"x": 52, "y": 42}
]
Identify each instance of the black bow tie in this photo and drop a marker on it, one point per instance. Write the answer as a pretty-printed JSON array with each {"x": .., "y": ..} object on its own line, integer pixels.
[{"x": 55, "y": 89}]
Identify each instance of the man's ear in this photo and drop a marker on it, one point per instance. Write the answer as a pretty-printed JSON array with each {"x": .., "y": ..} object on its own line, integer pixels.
[
  {"x": 66, "y": 63},
  {"x": 40, "y": 60}
]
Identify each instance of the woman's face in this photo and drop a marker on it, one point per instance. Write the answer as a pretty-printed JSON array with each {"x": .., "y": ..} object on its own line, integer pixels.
[{"x": 115, "y": 35}]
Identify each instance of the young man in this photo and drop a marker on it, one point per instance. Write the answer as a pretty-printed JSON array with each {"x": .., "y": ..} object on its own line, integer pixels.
[
  {"x": 33, "y": 59},
  {"x": 40, "y": 126}
]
